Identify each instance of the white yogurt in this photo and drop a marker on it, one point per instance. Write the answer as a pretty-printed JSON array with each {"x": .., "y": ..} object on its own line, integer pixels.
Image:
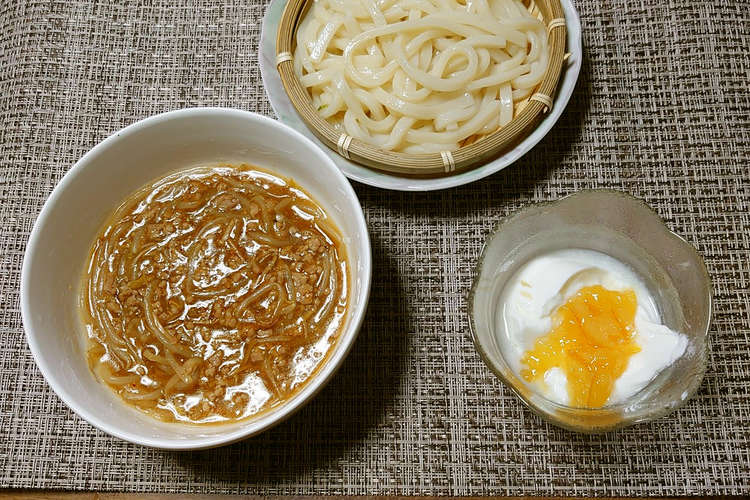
[{"x": 546, "y": 282}]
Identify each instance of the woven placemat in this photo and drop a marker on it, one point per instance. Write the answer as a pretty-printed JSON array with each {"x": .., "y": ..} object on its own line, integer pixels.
[{"x": 661, "y": 111}]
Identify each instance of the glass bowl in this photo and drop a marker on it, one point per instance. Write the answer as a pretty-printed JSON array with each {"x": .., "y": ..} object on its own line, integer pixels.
[{"x": 626, "y": 229}]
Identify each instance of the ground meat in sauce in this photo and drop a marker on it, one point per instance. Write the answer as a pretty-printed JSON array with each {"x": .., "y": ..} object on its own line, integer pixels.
[{"x": 212, "y": 293}]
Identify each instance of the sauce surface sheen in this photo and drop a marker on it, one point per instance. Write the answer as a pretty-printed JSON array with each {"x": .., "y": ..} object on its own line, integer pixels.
[{"x": 213, "y": 294}]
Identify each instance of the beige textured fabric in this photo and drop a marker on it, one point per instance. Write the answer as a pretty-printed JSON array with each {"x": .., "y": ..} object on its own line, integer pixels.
[{"x": 661, "y": 111}]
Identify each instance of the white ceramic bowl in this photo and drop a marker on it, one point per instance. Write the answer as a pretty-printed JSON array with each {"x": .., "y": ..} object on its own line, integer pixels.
[
  {"x": 97, "y": 184},
  {"x": 286, "y": 112}
]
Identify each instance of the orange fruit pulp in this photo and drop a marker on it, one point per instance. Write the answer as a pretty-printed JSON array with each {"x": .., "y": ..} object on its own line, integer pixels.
[{"x": 591, "y": 341}]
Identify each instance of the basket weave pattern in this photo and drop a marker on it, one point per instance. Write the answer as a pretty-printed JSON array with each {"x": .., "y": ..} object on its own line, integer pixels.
[{"x": 427, "y": 164}]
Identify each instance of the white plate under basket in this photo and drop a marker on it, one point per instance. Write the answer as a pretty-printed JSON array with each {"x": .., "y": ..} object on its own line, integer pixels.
[{"x": 286, "y": 112}]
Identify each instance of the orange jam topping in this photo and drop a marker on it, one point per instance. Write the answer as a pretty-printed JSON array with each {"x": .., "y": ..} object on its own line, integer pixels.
[{"x": 591, "y": 341}]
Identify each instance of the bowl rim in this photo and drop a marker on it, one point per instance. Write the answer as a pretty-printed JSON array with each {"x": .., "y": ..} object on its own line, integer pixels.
[
  {"x": 269, "y": 418},
  {"x": 546, "y": 205},
  {"x": 286, "y": 113}
]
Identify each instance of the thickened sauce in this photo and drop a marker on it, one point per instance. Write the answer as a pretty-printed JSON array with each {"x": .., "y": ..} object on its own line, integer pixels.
[{"x": 213, "y": 294}]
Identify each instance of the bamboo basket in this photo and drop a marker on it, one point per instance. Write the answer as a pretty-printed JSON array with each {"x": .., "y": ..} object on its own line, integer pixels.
[{"x": 428, "y": 164}]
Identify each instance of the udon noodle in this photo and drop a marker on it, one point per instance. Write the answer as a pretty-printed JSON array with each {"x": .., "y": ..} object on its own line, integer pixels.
[
  {"x": 420, "y": 75},
  {"x": 213, "y": 294}
]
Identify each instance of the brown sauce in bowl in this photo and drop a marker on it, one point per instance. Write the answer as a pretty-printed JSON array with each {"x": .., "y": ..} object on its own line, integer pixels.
[{"x": 213, "y": 294}]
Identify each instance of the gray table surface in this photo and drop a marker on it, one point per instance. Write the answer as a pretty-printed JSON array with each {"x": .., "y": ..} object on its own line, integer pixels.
[{"x": 660, "y": 111}]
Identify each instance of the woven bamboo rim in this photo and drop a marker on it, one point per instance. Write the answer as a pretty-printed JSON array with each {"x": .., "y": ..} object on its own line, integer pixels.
[{"x": 428, "y": 164}]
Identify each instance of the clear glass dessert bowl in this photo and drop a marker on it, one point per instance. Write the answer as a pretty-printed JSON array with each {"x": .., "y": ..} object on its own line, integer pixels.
[{"x": 628, "y": 230}]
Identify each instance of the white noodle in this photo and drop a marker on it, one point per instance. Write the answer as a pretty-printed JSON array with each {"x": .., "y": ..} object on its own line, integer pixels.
[{"x": 418, "y": 75}]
